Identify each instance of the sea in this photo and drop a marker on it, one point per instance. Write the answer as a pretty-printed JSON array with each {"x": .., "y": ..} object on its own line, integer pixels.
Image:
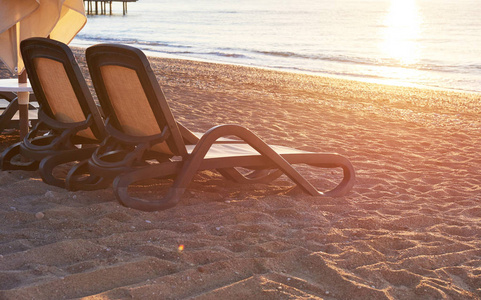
[{"x": 428, "y": 43}]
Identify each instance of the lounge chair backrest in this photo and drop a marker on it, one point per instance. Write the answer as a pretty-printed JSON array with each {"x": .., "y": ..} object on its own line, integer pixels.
[
  {"x": 130, "y": 95},
  {"x": 59, "y": 85}
]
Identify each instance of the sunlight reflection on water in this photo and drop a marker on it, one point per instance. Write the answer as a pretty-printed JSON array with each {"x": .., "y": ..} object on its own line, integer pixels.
[
  {"x": 403, "y": 26},
  {"x": 427, "y": 42}
]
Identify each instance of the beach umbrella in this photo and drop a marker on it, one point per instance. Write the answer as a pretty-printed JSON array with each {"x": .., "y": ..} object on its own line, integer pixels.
[{"x": 21, "y": 19}]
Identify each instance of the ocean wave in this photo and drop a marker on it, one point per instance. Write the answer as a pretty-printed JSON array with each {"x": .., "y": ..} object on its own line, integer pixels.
[
  {"x": 223, "y": 54},
  {"x": 290, "y": 57},
  {"x": 430, "y": 65},
  {"x": 128, "y": 41}
]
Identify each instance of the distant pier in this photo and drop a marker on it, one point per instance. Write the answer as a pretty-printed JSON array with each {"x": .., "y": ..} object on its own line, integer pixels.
[{"x": 96, "y": 7}]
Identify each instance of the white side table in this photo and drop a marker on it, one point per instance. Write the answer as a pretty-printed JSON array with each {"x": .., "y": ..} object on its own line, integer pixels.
[{"x": 23, "y": 91}]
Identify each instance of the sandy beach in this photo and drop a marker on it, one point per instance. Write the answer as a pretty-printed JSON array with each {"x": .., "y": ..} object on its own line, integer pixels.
[{"x": 409, "y": 229}]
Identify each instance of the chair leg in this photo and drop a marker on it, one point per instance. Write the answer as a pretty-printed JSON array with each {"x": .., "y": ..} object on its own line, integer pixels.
[
  {"x": 257, "y": 176},
  {"x": 79, "y": 178},
  {"x": 12, "y": 160},
  {"x": 331, "y": 160},
  {"x": 48, "y": 164},
  {"x": 163, "y": 170}
]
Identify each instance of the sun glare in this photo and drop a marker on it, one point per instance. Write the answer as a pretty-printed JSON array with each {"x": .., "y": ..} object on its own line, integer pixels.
[{"x": 402, "y": 29}]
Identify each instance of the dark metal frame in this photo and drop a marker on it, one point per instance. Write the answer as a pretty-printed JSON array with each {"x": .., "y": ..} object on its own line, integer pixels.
[{"x": 125, "y": 157}]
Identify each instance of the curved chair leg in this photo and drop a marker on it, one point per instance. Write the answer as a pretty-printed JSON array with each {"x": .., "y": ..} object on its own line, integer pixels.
[
  {"x": 162, "y": 170},
  {"x": 79, "y": 178},
  {"x": 332, "y": 160},
  {"x": 12, "y": 160},
  {"x": 48, "y": 164},
  {"x": 256, "y": 176}
]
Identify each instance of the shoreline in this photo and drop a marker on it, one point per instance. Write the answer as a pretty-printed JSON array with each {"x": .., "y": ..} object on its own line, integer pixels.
[
  {"x": 358, "y": 77},
  {"x": 382, "y": 81},
  {"x": 409, "y": 229}
]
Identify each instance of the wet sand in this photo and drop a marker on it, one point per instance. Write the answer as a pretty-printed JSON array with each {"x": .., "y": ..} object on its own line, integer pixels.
[{"x": 409, "y": 229}]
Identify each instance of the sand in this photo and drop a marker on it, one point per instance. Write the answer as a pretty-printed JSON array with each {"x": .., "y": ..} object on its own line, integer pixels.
[{"x": 409, "y": 229}]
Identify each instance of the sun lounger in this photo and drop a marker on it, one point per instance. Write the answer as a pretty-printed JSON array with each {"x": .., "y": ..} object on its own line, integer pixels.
[
  {"x": 145, "y": 142},
  {"x": 70, "y": 126}
]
